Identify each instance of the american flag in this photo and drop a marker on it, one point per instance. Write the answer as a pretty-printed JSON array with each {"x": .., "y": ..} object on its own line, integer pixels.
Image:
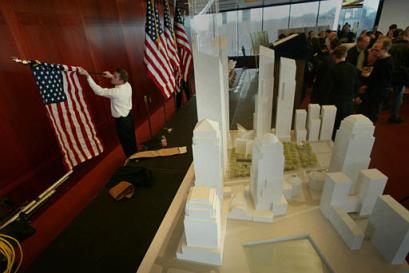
[
  {"x": 157, "y": 63},
  {"x": 67, "y": 110},
  {"x": 171, "y": 44},
  {"x": 185, "y": 53}
]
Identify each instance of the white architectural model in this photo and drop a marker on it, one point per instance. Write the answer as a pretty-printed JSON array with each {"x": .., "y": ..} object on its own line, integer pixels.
[
  {"x": 264, "y": 100},
  {"x": 389, "y": 229},
  {"x": 314, "y": 122},
  {"x": 207, "y": 155},
  {"x": 336, "y": 202},
  {"x": 243, "y": 144},
  {"x": 285, "y": 98},
  {"x": 267, "y": 171},
  {"x": 210, "y": 93},
  {"x": 222, "y": 45},
  {"x": 352, "y": 147},
  {"x": 299, "y": 127},
  {"x": 203, "y": 227},
  {"x": 328, "y": 113}
]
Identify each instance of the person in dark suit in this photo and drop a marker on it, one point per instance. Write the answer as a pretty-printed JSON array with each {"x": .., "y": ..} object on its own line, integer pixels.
[
  {"x": 358, "y": 55},
  {"x": 345, "y": 84},
  {"x": 400, "y": 75},
  {"x": 323, "y": 64},
  {"x": 379, "y": 81}
]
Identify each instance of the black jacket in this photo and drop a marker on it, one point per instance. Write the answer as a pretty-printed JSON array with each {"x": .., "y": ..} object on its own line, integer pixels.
[
  {"x": 323, "y": 65},
  {"x": 345, "y": 83},
  {"x": 353, "y": 54},
  {"x": 400, "y": 55},
  {"x": 379, "y": 80}
]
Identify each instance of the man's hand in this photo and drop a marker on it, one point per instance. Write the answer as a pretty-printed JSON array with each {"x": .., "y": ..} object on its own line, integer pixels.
[
  {"x": 83, "y": 72},
  {"x": 107, "y": 74}
]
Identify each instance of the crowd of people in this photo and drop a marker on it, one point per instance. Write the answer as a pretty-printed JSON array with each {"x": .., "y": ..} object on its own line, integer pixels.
[{"x": 363, "y": 77}]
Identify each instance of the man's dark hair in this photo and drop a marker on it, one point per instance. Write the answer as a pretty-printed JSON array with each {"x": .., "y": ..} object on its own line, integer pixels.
[
  {"x": 340, "y": 52},
  {"x": 123, "y": 75},
  {"x": 360, "y": 38},
  {"x": 396, "y": 33},
  {"x": 334, "y": 43},
  {"x": 393, "y": 26}
]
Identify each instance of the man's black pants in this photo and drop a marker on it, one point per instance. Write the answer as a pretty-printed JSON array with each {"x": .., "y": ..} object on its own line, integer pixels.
[{"x": 125, "y": 129}]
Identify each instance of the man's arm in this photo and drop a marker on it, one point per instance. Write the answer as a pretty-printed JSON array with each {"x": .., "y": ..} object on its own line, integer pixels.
[{"x": 98, "y": 90}]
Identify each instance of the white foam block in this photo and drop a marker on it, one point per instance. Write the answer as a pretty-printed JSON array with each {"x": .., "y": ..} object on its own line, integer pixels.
[
  {"x": 328, "y": 113},
  {"x": 280, "y": 207},
  {"x": 335, "y": 192},
  {"x": 300, "y": 135},
  {"x": 389, "y": 229},
  {"x": 313, "y": 129},
  {"x": 300, "y": 119},
  {"x": 314, "y": 111},
  {"x": 346, "y": 228},
  {"x": 212, "y": 256},
  {"x": 371, "y": 184}
]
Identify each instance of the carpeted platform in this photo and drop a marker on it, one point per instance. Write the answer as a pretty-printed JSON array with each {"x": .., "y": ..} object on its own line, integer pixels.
[{"x": 111, "y": 236}]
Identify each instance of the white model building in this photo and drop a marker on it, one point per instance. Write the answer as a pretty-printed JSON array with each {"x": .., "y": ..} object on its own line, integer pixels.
[
  {"x": 299, "y": 126},
  {"x": 222, "y": 46},
  {"x": 210, "y": 93},
  {"x": 285, "y": 98},
  {"x": 352, "y": 147},
  {"x": 336, "y": 202},
  {"x": 388, "y": 229},
  {"x": 267, "y": 171},
  {"x": 328, "y": 113},
  {"x": 264, "y": 100},
  {"x": 203, "y": 227},
  {"x": 314, "y": 122},
  {"x": 207, "y": 155}
]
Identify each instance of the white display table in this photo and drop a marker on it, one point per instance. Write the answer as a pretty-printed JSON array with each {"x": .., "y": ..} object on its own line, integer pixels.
[{"x": 303, "y": 219}]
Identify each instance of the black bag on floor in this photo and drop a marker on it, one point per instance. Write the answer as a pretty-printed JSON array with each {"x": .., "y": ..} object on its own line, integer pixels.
[{"x": 136, "y": 175}]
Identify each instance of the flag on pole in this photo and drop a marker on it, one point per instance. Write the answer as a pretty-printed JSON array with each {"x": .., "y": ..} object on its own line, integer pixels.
[
  {"x": 156, "y": 60},
  {"x": 67, "y": 110},
  {"x": 171, "y": 44},
  {"x": 182, "y": 41}
]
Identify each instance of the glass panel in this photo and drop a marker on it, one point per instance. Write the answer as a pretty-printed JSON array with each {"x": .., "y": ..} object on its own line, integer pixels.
[
  {"x": 293, "y": 255},
  {"x": 351, "y": 16},
  {"x": 228, "y": 28},
  {"x": 275, "y": 18},
  {"x": 249, "y": 21},
  {"x": 368, "y": 15},
  {"x": 327, "y": 16},
  {"x": 304, "y": 15}
]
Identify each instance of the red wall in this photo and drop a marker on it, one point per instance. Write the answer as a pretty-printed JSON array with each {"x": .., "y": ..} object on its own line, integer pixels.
[{"x": 97, "y": 35}]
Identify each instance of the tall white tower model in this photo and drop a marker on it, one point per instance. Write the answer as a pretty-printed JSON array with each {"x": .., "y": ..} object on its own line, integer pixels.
[
  {"x": 264, "y": 100},
  {"x": 210, "y": 93},
  {"x": 267, "y": 171},
  {"x": 352, "y": 147},
  {"x": 285, "y": 98},
  {"x": 207, "y": 155}
]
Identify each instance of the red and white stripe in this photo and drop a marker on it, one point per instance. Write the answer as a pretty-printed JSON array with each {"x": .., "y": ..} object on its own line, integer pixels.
[
  {"x": 185, "y": 53},
  {"x": 73, "y": 124},
  {"x": 157, "y": 65}
]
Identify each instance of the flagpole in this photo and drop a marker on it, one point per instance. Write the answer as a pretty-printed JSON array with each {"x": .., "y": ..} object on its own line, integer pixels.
[
  {"x": 145, "y": 98},
  {"x": 37, "y": 62}
]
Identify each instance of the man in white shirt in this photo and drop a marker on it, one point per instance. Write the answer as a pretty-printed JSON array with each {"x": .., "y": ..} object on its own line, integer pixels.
[{"x": 121, "y": 106}]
